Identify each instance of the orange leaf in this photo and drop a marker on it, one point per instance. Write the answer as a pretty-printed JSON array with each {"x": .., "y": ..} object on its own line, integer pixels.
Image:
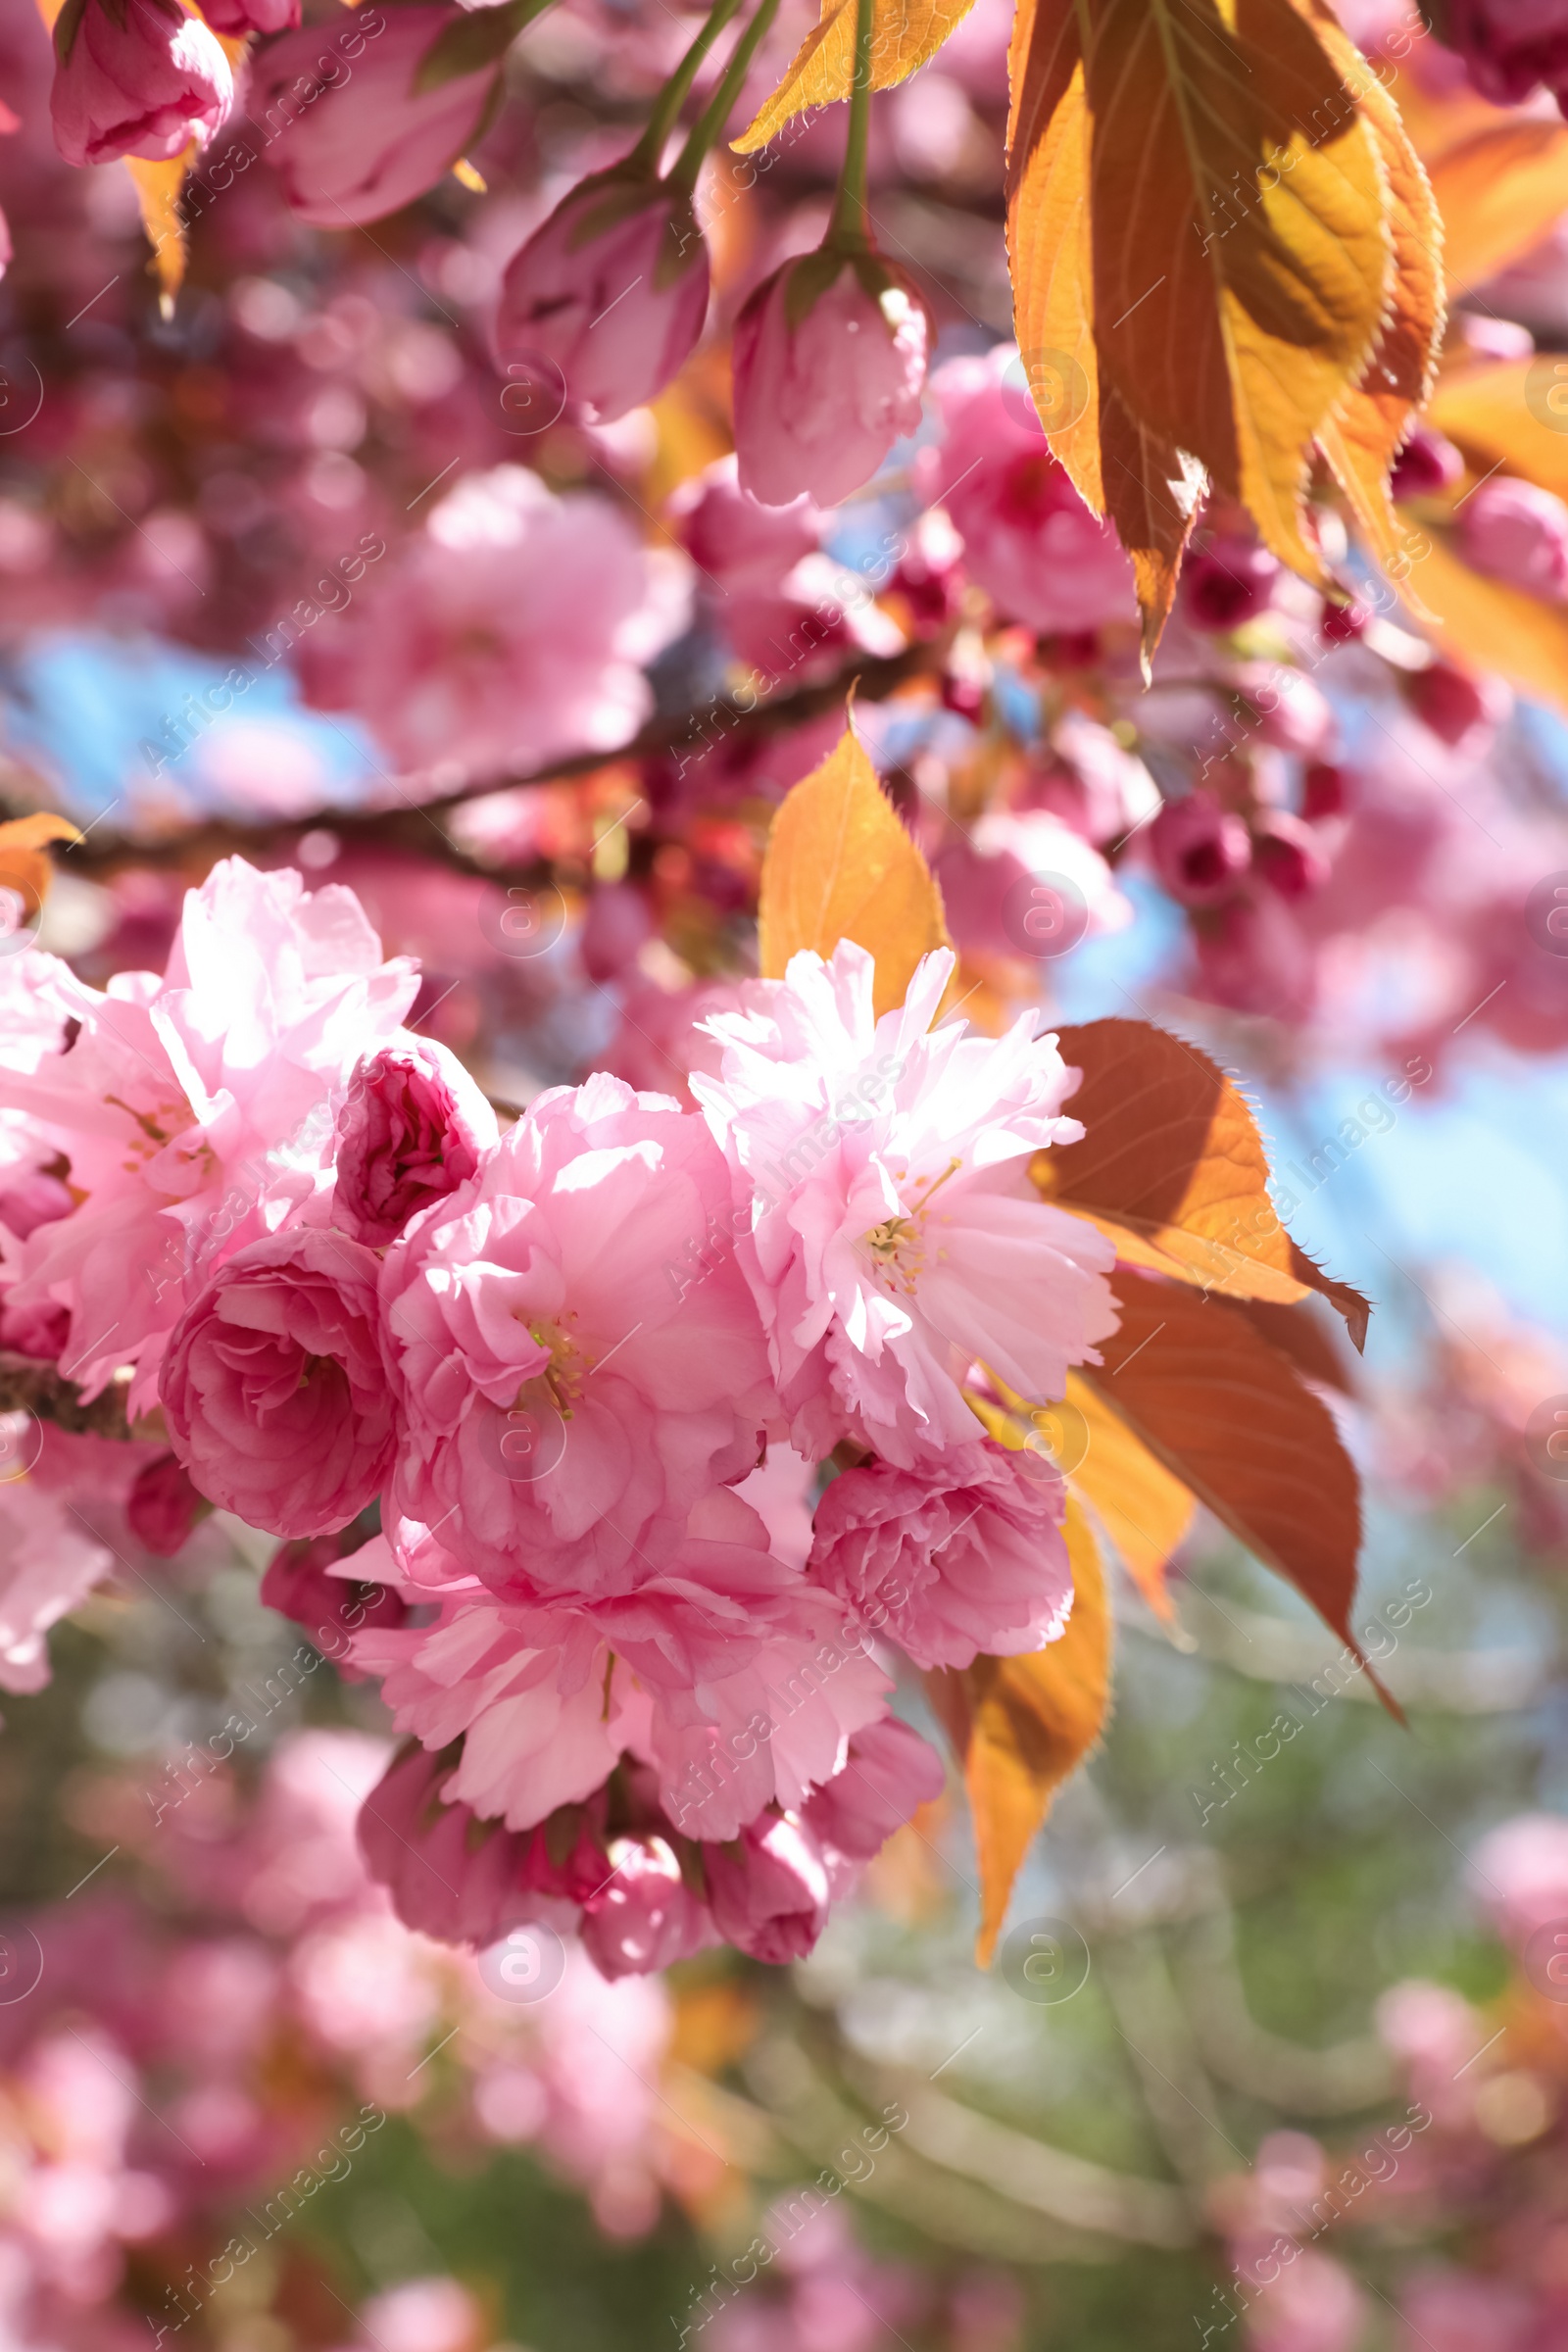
[
  {"x": 904, "y": 34},
  {"x": 1498, "y": 193},
  {"x": 1192, "y": 185},
  {"x": 158, "y": 187},
  {"x": 1231, "y": 1417},
  {"x": 1173, "y": 1169},
  {"x": 25, "y": 869},
  {"x": 841, "y": 866},
  {"x": 1509, "y": 412},
  {"x": 1144, "y": 1509},
  {"x": 1368, "y": 427},
  {"x": 1485, "y": 625},
  {"x": 32, "y": 832},
  {"x": 1022, "y": 1726}
]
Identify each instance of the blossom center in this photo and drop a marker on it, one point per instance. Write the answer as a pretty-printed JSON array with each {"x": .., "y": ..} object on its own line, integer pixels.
[
  {"x": 898, "y": 1247},
  {"x": 567, "y": 1372}
]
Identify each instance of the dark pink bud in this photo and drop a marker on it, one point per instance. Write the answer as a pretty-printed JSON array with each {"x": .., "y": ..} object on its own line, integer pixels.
[
  {"x": 618, "y": 923},
  {"x": 1200, "y": 851},
  {"x": 1325, "y": 791},
  {"x": 1343, "y": 624},
  {"x": 237, "y": 17},
  {"x": 1455, "y": 706},
  {"x": 1426, "y": 467},
  {"x": 1288, "y": 854},
  {"x": 1227, "y": 581},
  {"x": 163, "y": 1506},
  {"x": 300, "y": 1584},
  {"x": 1509, "y": 47},
  {"x": 412, "y": 1131}
]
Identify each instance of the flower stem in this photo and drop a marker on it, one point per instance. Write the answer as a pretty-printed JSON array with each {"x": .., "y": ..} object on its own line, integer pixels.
[
  {"x": 716, "y": 112},
  {"x": 649, "y": 150},
  {"x": 846, "y": 231}
]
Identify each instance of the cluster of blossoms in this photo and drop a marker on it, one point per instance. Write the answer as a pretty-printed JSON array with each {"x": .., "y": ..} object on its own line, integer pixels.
[{"x": 590, "y": 1369}]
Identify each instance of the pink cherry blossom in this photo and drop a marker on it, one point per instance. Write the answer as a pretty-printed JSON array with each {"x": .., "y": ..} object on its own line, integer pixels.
[
  {"x": 507, "y": 632},
  {"x": 893, "y": 1236},
  {"x": 274, "y": 1387},
  {"x": 195, "y": 1111},
  {"x": 1029, "y": 540},
  {"x": 830, "y": 356},
  {"x": 412, "y": 1131},
  {"x": 136, "y": 78},
  {"x": 963, "y": 1555},
  {"x": 576, "y": 1352},
  {"x": 644, "y": 1916},
  {"x": 609, "y": 294}
]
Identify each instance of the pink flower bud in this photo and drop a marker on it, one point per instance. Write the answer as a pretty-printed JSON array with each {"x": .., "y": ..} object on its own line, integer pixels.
[
  {"x": 611, "y": 291},
  {"x": 1288, "y": 854},
  {"x": 234, "y": 18},
  {"x": 618, "y": 923},
  {"x": 643, "y": 1916},
  {"x": 769, "y": 1889},
  {"x": 411, "y": 1132},
  {"x": 163, "y": 1506},
  {"x": 1509, "y": 46},
  {"x": 300, "y": 1584},
  {"x": 1518, "y": 533},
  {"x": 1227, "y": 581},
  {"x": 1426, "y": 466},
  {"x": 1460, "y": 710},
  {"x": 888, "y": 1773},
  {"x": 351, "y": 135},
  {"x": 1200, "y": 850},
  {"x": 746, "y": 547},
  {"x": 136, "y": 78},
  {"x": 830, "y": 356}
]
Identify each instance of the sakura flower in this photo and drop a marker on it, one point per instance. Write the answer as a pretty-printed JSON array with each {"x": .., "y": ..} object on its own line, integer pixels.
[
  {"x": 510, "y": 631},
  {"x": 577, "y": 1354},
  {"x": 195, "y": 1111},
  {"x": 1029, "y": 540},
  {"x": 963, "y": 1555},
  {"x": 274, "y": 1389},
  {"x": 894, "y": 1235},
  {"x": 733, "y": 1680}
]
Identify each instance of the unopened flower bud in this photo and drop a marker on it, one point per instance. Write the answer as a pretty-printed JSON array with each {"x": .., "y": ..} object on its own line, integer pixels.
[
  {"x": 136, "y": 78},
  {"x": 830, "y": 358},
  {"x": 612, "y": 291}
]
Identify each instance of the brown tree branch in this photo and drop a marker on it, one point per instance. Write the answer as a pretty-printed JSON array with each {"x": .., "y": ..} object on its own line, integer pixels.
[{"x": 30, "y": 1384}]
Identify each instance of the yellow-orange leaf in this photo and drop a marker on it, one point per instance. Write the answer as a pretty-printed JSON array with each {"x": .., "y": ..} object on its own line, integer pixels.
[
  {"x": 1370, "y": 423},
  {"x": 1021, "y": 1725},
  {"x": 1231, "y": 1417},
  {"x": 1144, "y": 1509},
  {"x": 839, "y": 865},
  {"x": 1487, "y": 626},
  {"x": 1499, "y": 194},
  {"x": 23, "y": 866},
  {"x": 1173, "y": 1169},
  {"x": 905, "y": 33},
  {"x": 1510, "y": 412},
  {"x": 158, "y": 187},
  {"x": 1237, "y": 249}
]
